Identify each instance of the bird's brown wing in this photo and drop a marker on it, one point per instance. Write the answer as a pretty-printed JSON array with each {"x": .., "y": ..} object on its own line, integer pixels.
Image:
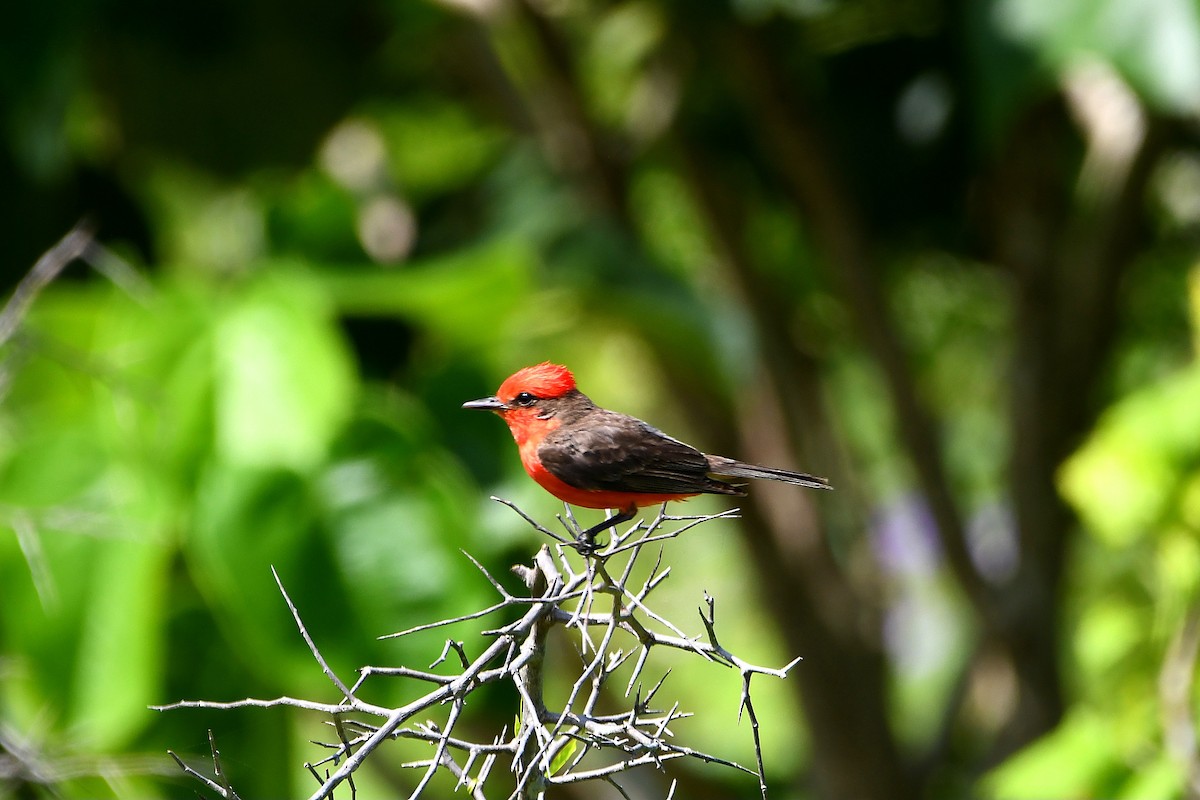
[{"x": 608, "y": 451}]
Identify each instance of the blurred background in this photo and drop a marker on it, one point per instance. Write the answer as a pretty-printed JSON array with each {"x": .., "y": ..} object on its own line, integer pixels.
[{"x": 944, "y": 253}]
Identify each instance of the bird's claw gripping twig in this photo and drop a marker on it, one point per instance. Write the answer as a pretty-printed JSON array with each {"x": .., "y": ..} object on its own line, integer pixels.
[{"x": 585, "y": 541}]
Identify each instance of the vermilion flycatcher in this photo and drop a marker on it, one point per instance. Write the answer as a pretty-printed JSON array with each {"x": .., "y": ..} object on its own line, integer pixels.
[{"x": 592, "y": 457}]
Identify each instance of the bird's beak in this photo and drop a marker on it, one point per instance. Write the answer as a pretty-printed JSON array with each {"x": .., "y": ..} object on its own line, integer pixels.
[{"x": 486, "y": 403}]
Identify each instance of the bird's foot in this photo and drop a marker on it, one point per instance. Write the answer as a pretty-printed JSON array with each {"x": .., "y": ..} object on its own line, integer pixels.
[{"x": 585, "y": 543}]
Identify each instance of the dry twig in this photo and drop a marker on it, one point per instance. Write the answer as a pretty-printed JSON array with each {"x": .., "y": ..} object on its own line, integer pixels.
[{"x": 594, "y": 601}]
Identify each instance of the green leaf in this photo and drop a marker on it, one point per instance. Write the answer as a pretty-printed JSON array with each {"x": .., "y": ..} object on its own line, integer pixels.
[
  {"x": 1161, "y": 778},
  {"x": 434, "y": 145},
  {"x": 563, "y": 756},
  {"x": 247, "y": 521},
  {"x": 49, "y": 466},
  {"x": 1155, "y": 44},
  {"x": 285, "y": 383},
  {"x": 474, "y": 296},
  {"x": 1124, "y": 478},
  {"x": 1106, "y": 633},
  {"x": 1067, "y": 763},
  {"x": 120, "y": 655}
]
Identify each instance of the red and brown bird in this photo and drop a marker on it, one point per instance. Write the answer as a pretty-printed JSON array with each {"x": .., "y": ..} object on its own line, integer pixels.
[{"x": 595, "y": 458}]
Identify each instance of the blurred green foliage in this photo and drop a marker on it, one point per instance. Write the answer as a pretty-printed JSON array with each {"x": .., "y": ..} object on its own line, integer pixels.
[
  {"x": 344, "y": 220},
  {"x": 1136, "y": 483}
]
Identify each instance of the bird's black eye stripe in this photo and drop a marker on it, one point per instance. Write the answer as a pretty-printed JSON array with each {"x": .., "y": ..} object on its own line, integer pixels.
[{"x": 524, "y": 399}]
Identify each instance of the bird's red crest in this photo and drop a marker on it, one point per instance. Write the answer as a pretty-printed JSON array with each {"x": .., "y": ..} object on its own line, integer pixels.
[{"x": 540, "y": 380}]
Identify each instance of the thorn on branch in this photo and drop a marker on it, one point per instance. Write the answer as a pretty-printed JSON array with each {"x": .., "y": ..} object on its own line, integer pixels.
[
  {"x": 221, "y": 783},
  {"x": 457, "y": 647}
]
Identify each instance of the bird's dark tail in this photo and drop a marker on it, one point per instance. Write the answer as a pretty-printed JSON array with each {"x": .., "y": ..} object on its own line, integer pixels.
[{"x": 727, "y": 467}]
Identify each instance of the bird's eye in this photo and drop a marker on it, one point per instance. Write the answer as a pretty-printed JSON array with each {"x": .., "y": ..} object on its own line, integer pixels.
[{"x": 524, "y": 399}]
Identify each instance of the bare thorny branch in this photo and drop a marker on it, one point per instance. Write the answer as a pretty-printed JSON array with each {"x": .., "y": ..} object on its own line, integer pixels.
[{"x": 595, "y": 600}]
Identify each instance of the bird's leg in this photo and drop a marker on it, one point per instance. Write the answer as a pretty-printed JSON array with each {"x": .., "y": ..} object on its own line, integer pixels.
[{"x": 585, "y": 543}]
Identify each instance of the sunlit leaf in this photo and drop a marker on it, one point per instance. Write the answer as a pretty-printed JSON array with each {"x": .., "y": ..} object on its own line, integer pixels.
[
  {"x": 51, "y": 466},
  {"x": 285, "y": 381},
  {"x": 564, "y": 755},
  {"x": 1122, "y": 479},
  {"x": 1106, "y": 633},
  {"x": 1178, "y": 562},
  {"x": 1194, "y": 306},
  {"x": 472, "y": 296},
  {"x": 1163, "y": 777},
  {"x": 120, "y": 656},
  {"x": 1067, "y": 763},
  {"x": 1154, "y": 43}
]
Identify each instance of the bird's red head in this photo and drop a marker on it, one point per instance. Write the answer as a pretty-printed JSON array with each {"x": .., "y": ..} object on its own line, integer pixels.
[
  {"x": 527, "y": 395},
  {"x": 528, "y": 399},
  {"x": 543, "y": 381}
]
